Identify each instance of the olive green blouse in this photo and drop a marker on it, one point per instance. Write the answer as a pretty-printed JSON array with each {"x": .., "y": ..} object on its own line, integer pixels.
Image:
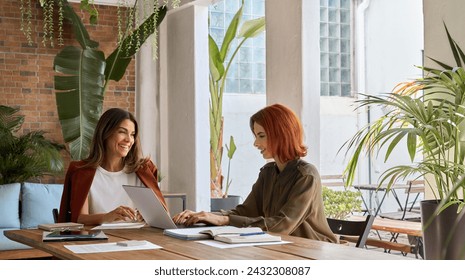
[{"x": 288, "y": 202}]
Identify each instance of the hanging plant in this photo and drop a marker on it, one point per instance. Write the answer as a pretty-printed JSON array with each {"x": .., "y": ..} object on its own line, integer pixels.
[{"x": 127, "y": 17}]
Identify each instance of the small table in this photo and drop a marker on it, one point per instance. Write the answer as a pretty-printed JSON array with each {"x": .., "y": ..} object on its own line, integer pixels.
[{"x": 374, "y": 188}]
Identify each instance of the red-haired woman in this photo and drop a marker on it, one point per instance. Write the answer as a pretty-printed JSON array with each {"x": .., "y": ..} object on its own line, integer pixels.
[{"x": 286, "y": 198}]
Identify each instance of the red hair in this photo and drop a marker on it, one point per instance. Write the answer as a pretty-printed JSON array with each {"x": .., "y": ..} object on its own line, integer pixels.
[{"x": 283, "y": 130}]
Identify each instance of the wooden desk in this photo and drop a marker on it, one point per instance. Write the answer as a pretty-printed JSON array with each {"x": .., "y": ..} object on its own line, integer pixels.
[{"x": 172, "y": 248}]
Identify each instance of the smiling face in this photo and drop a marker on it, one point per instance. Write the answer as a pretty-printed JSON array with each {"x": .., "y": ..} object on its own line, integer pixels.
[
  {"x": 261, "y": 141},
  {"x": 120, "y": 142}
]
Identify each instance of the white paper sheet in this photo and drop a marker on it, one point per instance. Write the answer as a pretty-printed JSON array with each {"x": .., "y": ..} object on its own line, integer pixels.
[
  {"x": 108, "y": 247},
  {"x": 223, "y": 245}
]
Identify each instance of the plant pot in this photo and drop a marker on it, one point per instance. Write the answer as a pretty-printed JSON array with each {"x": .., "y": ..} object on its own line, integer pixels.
[
  {"x": 227, "y": 203},
  {"x": 444, "y": 236}
]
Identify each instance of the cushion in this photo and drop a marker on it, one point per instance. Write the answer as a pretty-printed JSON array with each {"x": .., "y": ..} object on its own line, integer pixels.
[
  {"x": 9, "y": 205},
  {"x": 37, "y": 203}
]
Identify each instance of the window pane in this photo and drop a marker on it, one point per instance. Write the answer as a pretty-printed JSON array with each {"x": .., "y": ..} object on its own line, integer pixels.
[
  {"x": 334, "y": 75},
  {"x": 345, "y": 60},
  {"x": 345, "y": 46},
  {"x": 334, "y": 90},
  {"x": 259, "y": 71},
  {"x": 345, "y": 75},
  {"x": 232, "y": 85},
  {"x": 334, "y": 31},
  {"x": 245, "y": 85},
  {"x": 335, "y": 47},
  {"x": 247, "y": 72},
  {"x": 323, "y": 14},
  {"x": 324, "y": 89},
  {"x": 333, "y": 15},
  {"x": 333, "y": 3},
  {"x": 324, "y": 60},
  {"x": 345, "y": 31},
  {"x": 259, "y": 86},
  {"x": 324, "y": 75},
  {"x": 324, "y": 30},
  {"x": 345, "y": 4},
  {"x": 345, "y": 90},
  {"x": 324, "y": 45},
  {"x": 345, "y": 16}
]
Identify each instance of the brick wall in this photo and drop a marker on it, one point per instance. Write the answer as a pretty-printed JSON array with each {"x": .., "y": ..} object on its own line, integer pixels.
[{"x": 26, "y": 72}]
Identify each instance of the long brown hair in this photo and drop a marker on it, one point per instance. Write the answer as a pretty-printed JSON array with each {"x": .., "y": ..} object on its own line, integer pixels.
[
  {"x": 283, "y": 130},
  {"x": 106, "y": 126}
]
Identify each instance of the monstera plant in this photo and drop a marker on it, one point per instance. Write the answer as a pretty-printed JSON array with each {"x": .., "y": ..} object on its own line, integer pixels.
[{"x": 84, "y": 74}]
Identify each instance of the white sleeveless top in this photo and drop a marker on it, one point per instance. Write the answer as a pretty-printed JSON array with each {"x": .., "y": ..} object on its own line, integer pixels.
[{"x": 106, "y": 192}]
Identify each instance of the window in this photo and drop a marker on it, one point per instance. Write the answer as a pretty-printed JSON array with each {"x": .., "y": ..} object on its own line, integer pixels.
[
  {"x": 335, "y": 49},
  {"x": 247, "y": 72}
]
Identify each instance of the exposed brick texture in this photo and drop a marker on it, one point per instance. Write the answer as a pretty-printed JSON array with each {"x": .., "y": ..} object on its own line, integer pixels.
[{"x": 26, "y": 72}]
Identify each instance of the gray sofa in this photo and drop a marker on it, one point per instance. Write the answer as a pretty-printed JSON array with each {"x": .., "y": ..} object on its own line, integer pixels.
[{"x": 22, "y": 206}]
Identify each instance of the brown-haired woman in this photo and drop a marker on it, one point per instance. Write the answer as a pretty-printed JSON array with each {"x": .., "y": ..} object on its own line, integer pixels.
[
  {"x": 286, "y": 198},
  {"x": 93, "y": 189}
]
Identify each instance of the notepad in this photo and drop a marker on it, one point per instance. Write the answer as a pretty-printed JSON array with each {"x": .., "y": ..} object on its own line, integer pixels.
[{"x": 61, "y": 226}]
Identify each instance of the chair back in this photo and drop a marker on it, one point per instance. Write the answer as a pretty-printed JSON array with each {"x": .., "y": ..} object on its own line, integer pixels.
[{"x": 360, "y": 229}]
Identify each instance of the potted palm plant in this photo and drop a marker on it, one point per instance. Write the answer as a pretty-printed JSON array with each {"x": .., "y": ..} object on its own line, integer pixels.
[
  {"x": 28, "y": 156},
  {"x": 428, "y": 115},
  {"x": 220, "y": 60}
]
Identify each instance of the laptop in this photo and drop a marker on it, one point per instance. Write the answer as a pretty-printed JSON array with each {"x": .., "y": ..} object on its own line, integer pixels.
[{"x": 150, "y": 207}]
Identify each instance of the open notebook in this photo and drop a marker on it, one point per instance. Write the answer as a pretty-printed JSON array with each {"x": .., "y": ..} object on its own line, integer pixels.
[{"x": 228, "y": 234}]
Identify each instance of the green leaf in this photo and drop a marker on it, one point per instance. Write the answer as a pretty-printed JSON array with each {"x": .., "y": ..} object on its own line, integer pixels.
[
  {"x": 80, "y": 31},
  {"x": 412, "y": 145},
  {"x": 252, "y": 28},
  {"x": 232, "y": 147},
  {"x": 79, "y": 95},
  {"x": 216, "y": 63},
  {"x": 119, "y": 59},
  {"x": 231, "y": 33}
]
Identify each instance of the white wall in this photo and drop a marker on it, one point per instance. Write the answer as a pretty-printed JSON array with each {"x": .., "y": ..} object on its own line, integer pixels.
[{"x": 247, "y": 161}]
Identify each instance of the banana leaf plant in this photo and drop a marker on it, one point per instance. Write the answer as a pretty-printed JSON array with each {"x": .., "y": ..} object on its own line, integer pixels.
[
  {"x": 220, "y": 62},
  {"x": 84, "y": 75},
  {"x": 427, "y": 115}
]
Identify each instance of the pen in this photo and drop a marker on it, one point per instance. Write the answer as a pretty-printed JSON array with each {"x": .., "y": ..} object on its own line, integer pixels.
[{"x": 251, "y": 233}]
